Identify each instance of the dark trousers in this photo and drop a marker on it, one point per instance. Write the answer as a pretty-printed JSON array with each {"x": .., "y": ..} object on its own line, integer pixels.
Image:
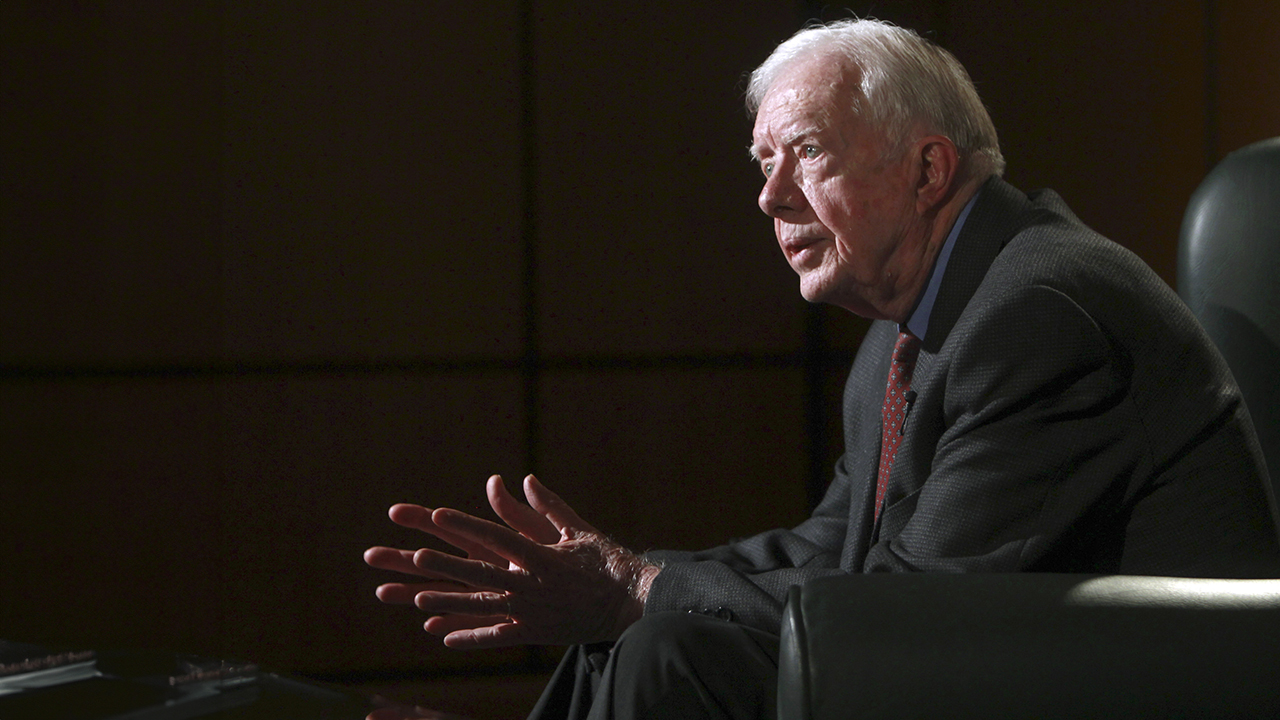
[{"x": 668, "y": 665}]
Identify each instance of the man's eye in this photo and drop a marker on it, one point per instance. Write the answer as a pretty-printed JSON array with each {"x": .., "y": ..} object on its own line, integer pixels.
[
  {"x": 810, "y": 151},
  {"x": 767, "y": 168}
]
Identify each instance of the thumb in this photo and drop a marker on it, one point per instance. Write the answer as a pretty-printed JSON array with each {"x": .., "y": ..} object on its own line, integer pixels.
[
  {"x": 520, "y": 517},
  {"x": 555, "y": 510}
]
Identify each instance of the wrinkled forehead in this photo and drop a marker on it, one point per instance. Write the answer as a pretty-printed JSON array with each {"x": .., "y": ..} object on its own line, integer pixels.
[{"x": 812, "y": 94}]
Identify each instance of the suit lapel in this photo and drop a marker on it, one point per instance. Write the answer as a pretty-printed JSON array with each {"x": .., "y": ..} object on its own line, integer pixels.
[
  {"x": 1001, "y": 210},
  {"x": 996, "y": 217},
  {"x": 864, "y": 396}
]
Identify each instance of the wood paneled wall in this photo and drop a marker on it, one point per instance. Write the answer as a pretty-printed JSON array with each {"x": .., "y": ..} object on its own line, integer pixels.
[{"x": 267, "y": 268}]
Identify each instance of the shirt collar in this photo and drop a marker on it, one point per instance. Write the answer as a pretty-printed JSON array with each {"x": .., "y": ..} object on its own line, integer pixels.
[{"x": 918, "y": 323}]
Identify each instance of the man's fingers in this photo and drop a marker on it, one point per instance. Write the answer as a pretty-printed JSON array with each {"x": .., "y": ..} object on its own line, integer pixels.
[
  {"x": 442, "y": 625},
  {"x": 417, "y": 517},
  {"x": 493, "y": 636},
  {"x": 401, "y": 561},
  {"x": 412, "y": 516},
  {"x": 500, "y": 540},
  {"x": 469, "y": 572},
  {"x": 520, "y": 517},
  {"x": 550, "y": 506},
  {"x": 395, "y": 560},
  {"x": 403, "y": 593},
  {"x": 479, "y": 604}
]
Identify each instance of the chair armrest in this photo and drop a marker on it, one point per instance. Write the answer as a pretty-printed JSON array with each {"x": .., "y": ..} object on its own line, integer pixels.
[{"x": 1030, "y": 646}]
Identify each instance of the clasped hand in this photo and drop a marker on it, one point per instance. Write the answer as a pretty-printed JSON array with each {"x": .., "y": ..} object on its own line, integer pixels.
[{"x": 547, "y": 577}]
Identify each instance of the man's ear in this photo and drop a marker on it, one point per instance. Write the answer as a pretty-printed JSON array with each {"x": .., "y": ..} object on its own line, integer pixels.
[{"x": 939, "y": 170}]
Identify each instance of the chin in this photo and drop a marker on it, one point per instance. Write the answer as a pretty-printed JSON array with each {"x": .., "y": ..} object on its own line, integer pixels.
[
  {"x": 816, "y": 288},
  {"x": 817, "y": 293},
  {"x": 813, "y": 295}
]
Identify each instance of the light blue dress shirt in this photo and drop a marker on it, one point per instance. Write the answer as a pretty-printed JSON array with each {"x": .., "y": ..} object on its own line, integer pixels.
[{"x": 918, "y": 323}]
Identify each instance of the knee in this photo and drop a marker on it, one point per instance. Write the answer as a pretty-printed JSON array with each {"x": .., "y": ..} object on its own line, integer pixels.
[
  {"x": 661, "y": 639},
  {"x": 678, "y": 664},
  {"x": 668, "y": 627}
]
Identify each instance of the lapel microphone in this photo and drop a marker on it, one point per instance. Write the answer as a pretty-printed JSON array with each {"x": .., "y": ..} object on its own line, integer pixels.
[{"x": 910, "y": 399}]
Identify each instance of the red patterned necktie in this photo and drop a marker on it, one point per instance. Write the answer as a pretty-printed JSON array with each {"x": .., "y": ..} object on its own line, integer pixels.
[{"x": 896, "y": 405}]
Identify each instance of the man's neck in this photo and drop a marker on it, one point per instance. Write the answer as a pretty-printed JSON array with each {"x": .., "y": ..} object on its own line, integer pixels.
[
  {"x": 918, "y": 320},
  {"x": 940, "y": 227}
]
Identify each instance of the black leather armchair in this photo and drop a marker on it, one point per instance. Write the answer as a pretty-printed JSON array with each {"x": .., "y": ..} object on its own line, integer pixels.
[
  {"x": 1229, "y": 275},
  {"x": 1037, "y": 646}
]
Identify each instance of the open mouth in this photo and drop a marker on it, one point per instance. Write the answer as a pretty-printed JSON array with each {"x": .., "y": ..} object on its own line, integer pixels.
[{"x": 797, "y": 248}]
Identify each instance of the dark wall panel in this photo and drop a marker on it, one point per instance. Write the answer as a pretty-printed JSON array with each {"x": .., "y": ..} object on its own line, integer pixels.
[
  {"x": 110, "y": 210},
  {"x": 111, "y": 512},
  {"x": 311, "y": 466},
  {"x": 650, "y": 240},
  {"x": 1106, "y": 107},
  {"x": 677, "y": 458},
  {"x": 229, "y": 517},
  {"x": 372, "y": 181},
  {"x": 1248, "y": 73}
]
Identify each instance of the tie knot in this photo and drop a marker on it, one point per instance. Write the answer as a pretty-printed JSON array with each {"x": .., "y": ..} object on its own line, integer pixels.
[{"x": 906, "y": 349}]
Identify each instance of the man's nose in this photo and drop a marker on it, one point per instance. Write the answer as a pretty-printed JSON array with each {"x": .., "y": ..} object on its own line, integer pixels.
[{"x": 781, "y": 196}]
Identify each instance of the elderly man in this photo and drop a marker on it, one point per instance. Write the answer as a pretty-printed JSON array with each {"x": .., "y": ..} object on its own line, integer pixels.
[{"x": 1032, "y": 398}]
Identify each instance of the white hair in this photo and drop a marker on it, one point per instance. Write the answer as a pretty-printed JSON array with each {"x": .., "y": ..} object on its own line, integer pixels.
[{"x": 905, "y": 80}]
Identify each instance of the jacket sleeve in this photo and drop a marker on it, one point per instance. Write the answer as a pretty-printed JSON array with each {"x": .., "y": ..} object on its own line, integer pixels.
[{"x": 750, "y": 578}]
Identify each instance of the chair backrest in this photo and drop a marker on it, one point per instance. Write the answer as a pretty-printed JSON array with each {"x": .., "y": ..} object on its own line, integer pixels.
[{"x": 1229, "y": 274}]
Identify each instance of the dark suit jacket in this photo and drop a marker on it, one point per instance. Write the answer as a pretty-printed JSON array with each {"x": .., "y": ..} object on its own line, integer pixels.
[{"x": 1072, "y": 416}]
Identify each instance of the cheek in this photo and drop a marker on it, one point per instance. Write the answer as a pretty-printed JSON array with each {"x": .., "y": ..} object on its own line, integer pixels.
[
  {"x": 847, "y": 220},
  {"x": 844, "y": 202}
]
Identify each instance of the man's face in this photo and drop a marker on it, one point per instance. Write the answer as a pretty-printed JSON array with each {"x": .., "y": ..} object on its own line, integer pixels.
[{"x": 844, "y": 214}]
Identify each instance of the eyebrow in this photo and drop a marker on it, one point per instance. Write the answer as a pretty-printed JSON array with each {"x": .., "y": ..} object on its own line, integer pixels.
[
  {"x": 790, "y": 139},
  {"x": 793, "y": 137}
]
